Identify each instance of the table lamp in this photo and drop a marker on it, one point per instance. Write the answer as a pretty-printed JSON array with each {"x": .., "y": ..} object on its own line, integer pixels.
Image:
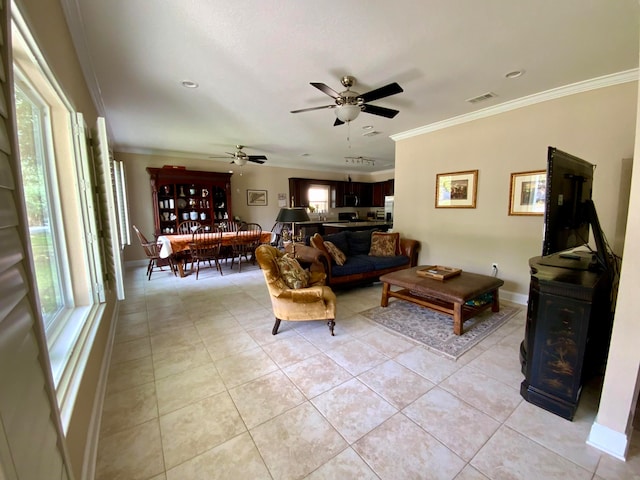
[{"x": 292, "y": 216}]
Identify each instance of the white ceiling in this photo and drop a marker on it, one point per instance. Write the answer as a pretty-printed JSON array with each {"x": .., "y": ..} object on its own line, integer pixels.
[{"x": 254, "y": 59}]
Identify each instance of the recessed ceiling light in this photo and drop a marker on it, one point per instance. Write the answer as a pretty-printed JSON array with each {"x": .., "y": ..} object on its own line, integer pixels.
[
  {"x": 305, "y": 155},
  {"x": 514, "y": 74},
  {"x": 189, "y": 84},
  {"x": 367, "y": 127}
]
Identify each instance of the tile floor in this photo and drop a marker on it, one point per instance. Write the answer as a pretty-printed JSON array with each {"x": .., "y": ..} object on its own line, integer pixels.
[{"x": 199, "y": 389}]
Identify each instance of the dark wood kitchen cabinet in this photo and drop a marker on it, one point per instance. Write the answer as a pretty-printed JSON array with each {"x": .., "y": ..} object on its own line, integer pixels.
[
  {"x": 567, "y": 333},
  {"x": 179, "y": 194}
]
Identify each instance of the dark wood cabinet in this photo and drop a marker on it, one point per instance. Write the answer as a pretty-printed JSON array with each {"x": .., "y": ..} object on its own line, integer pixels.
[
  {"x": 567, "y": 331},
  {"x": 377, "y": 194},
  {"x": 368, "y": 194},
  {"x": 389, "y": 186},
  {"x": 179, "y": 195}
]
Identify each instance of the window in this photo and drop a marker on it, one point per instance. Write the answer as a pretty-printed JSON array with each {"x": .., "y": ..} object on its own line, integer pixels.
[{"x": 318, "y": 198}]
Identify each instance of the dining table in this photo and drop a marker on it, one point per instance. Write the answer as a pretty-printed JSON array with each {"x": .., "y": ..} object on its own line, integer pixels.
[{"x": 175, "y": 244}]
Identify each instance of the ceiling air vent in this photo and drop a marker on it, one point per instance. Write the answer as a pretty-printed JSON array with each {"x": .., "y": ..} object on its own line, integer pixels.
[
  {"x": 372, "y": 133},
  {"x": 481, "y": 98}
]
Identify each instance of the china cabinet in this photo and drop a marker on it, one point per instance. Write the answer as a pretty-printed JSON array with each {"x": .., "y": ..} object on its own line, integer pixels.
[{"x": 179, "y": 195}]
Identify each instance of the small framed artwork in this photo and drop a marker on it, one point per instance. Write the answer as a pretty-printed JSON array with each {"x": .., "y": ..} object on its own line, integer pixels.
[
  {"x": 256, "y": 198},
  {"x": 457, "y": 189},
  {"x": 527, "y": 193}
]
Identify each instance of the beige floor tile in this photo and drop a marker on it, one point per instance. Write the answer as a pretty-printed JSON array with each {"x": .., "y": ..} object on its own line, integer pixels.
[
  {"x": 317, "y": 374},
  {"x": 296, "y": 443},
  {"x": 557, "y": 434},
  {"x": 470, "y": 473},
  {"x": 356, "y": 357},
  {"x": 290, "y": 350},
  {"x": 180, "y": 359},
  {"x": 184, "y": 337},
  {"x": 319, "y": 334},
  {"x": 132, "y": 454},
  {"x": 462, "y": 428},
  {"x": 353, "y": 409},
  {"x": 127, "y": 408},
  {"x": 395, "y": 383},
  {"x": 265, "y": 398},
  {"x": 345, "y": 465},
  {"x": 217, "y": 326},
  {"x": 611, "y": 468},
  {"x": 386, "y": 342},
  {"x": 356, "y": 325},
  {"x": 172, "y": 323},
  {"x": 502, "y": 363},
  {"x": 198, "y": 427},
  {"x": 237, "y": 458},
  {"x": 262, "y": 335},
  {"x": 132, "y": 373},
  {"x": 509, "y": 455},
  {"x": 181, "y": 389},
  {"x": 427, "y": 364},
  {"x": 133, "y": 331},
  {"x": 131, "y": 350},
  {"x": 483, "y": 392},
  {"x": 400, "y": 449},
  {"x": 244, "y": 367},
  {"x": 228, "y": 345}
]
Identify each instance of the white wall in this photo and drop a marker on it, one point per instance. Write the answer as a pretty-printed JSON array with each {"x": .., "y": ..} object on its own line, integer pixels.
[{"x": 598, "y": 126}]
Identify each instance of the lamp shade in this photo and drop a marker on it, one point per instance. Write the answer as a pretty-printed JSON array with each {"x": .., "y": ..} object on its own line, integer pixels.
[
  {"x": 291, "y": 215},
  {"x": 347, "y": 113}
]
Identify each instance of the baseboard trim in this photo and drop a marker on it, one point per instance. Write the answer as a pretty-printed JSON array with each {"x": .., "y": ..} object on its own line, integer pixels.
[
  {"x": 609, "y": 441},
  {"x": 513, "y": 297},
  {"x": 93, "y": 434}
]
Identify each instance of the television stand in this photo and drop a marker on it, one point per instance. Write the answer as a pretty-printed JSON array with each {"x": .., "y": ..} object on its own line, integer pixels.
[{"x": 567, "y": 331}]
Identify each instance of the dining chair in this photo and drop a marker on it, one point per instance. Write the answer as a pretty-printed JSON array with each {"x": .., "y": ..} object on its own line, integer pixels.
[
  {"x": 188, "y": 226},
  {"x": 245, "y": 244},
  {"x": 226, "y": 251},
  {"x": 152, "y": 251},
  {"x": 205, "y": 247}
]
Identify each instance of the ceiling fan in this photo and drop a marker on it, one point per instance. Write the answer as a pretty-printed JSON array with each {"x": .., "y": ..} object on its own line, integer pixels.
[
  {"x": 349, "y": 104},
  {"x": 240, "y": 158}
]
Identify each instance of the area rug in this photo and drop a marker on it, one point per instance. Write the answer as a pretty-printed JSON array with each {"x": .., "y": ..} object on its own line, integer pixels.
[{"x": 435, "y": 329}]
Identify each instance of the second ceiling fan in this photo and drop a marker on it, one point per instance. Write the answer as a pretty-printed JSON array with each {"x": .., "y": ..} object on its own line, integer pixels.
[
  {"x": 240, "y": 158},
  {"x": 349, "y": 104}
]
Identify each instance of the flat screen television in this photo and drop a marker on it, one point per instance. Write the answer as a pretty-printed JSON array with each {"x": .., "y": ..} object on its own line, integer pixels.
[{"x": 569, "y": 210}]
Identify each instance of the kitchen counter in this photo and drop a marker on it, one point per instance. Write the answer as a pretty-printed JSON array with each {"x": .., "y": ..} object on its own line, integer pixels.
[{"x": 355, "y": 226}]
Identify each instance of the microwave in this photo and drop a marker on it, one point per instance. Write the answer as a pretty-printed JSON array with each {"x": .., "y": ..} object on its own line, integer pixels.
[{"x": 351, "y": 200}]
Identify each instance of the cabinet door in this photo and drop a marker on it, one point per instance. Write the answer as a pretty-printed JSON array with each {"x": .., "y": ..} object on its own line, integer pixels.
[
  {"x": 298, "y": 192},
  {"x": 366, "y": 194},
  {"x": 389, "y": 187},
  {"x": 377, "y": 197}
]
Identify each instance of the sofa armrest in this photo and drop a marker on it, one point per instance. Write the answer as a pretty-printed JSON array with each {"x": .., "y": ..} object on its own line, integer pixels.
[
  {"x": 311, "y": 256},
  {"x": 410, "y": 248}
]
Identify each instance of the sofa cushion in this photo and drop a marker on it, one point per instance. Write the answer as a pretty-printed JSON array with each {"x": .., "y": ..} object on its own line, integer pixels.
[
  {"x": 380, "y": 263},
  {"x": 384, "y": 244},
  {"x": 335, "y": 253},
  {"x": 359, "y": 242},
  {"x": 293, "y": 275},
  {"x": 354, "y": 264},
  {"x": 340, "y": 240}
]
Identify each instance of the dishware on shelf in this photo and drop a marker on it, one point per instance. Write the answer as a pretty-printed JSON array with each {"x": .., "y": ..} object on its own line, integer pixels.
[
  {"x": 192, "y": 190},
  {"x": 193, "y": 215},
  {"x": 203, "y": 216},
  {"x": 185, "y": 216},
  {"x": 182, "y": 203},
  {"x": 181, "y": 191},
  {"x": 205, "y": 192}
]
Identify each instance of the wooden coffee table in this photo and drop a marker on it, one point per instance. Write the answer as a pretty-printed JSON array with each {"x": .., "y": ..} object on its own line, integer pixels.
[{"x": 447, "y": 296}]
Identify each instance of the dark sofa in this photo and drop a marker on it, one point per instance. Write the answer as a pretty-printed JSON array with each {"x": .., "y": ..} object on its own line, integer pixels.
[{"x": 359, "y": 267}]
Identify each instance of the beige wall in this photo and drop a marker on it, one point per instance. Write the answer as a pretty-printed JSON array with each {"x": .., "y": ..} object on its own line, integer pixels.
[
  {"x": 259, "y": 177},
  {"x": 598, "y": 126}
]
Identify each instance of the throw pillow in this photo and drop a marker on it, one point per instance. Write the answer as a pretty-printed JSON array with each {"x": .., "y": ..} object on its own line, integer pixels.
[
  {"x": 335, "y": 253},
  {"x": 293, "y": 275},
  {"x": 384, "y": 244}
]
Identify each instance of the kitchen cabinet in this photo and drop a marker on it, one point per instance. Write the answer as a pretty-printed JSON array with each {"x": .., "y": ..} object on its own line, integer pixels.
[
  {"x": 377, "y": 194},
  {"x": 389, "y": 187},
  {"x": 369, "y": 194},
  {"x": 179, "y": 194}
]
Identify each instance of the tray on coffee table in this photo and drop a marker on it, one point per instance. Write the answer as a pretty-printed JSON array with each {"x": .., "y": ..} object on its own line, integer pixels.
[{"x": 439, "y": 272}]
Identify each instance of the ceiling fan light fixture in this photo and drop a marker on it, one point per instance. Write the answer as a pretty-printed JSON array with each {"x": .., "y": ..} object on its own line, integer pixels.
[
  {"x": 241, "y": 161},
  {"x": 347, "y": 113}
]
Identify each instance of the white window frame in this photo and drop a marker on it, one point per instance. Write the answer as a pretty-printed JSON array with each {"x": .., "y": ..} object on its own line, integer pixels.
[{"x": 71, "y": 335}]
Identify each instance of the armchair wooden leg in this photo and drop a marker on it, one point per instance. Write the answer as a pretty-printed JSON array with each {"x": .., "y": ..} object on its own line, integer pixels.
[
  {"x": 275, "y": 327},
  {"x": 331, "y": 324}
]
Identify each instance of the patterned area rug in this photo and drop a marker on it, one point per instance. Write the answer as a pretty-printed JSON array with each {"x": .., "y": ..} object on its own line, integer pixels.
[{"x": 435, "y": 329}]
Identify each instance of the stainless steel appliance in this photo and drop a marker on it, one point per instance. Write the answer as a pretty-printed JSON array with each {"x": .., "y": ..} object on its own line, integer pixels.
[{"x": 388, "y": 208}]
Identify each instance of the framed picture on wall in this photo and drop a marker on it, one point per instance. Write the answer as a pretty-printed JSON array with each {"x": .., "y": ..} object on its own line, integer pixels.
[
  {"x": 256, "y": 198},
  {"x": 457, "y": 189},
  {"x": 527, "y": 193}
]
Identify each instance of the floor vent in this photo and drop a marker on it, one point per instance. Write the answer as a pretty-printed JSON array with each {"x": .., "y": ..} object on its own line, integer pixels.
[{"x": 481, "y": 98}]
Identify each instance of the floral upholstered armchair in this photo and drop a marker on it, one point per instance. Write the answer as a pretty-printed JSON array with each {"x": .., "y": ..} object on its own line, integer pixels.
[{"x": 296, "y": 295}]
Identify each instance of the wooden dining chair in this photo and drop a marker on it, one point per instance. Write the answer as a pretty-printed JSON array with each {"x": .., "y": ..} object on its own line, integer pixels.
[
  {"x": 188, "y": 226},
  {"x": 205, "y": 247},
  {"x": 152, "y": 251},
  {"x": 245, "y": 244}
]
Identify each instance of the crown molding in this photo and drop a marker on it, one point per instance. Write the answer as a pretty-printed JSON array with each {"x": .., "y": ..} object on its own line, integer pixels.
[{"x": 578, "y": 87}]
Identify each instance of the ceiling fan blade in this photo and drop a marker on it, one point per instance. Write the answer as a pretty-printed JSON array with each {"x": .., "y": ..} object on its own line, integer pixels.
[
  {"x": 313, "y": 108},
  {"x": 256, "y": 157},
  {"x": 256, "y": 160},
  {"x": 382, "y": 111},
  {"x": 338, "y": 122},
  {"x": 382, "y": 92},
  {"x": 325, "y": 89}
]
